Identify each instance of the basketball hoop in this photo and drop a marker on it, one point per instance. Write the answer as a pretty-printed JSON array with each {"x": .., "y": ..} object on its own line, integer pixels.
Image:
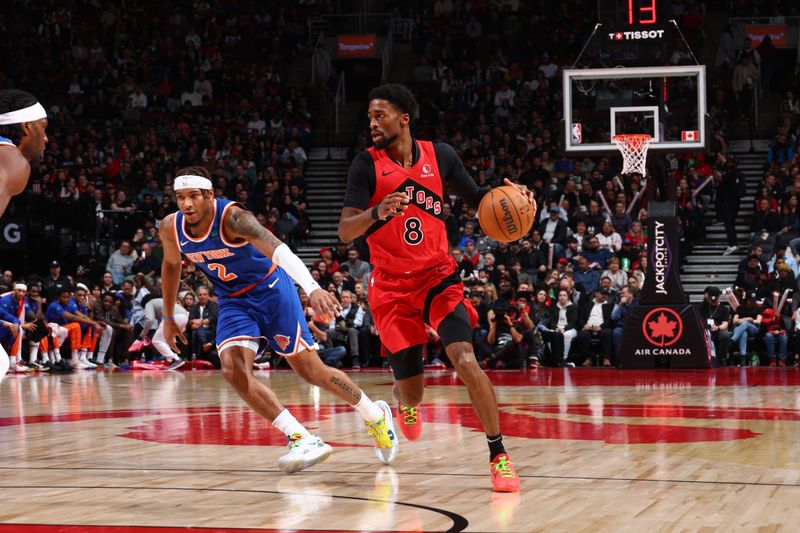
[{"x": 633, "y": 147}]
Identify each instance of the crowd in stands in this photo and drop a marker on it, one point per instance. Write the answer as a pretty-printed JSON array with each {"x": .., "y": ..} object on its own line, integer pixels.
[
  {"x": 137, "y": 100},
  {"x": 760, "y": 315},
  {"x": 138, "y": 89}
]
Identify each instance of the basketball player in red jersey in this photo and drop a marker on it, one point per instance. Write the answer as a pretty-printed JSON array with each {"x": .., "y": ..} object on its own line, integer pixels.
[
  {"x": 22, "y": 139},
  {"x": 395, "y": 195}
]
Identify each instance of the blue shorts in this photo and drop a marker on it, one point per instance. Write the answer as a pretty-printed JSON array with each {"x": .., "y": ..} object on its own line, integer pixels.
[{"x": 269, "y": 314}]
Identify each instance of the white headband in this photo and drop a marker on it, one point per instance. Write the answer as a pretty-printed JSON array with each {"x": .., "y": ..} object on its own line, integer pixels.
[
  {"x": 28, "y": 114},
  {"x": 21, "y": 286},
  {"x": 82, "y": 286},
  {"x": 191, "y": 182}
]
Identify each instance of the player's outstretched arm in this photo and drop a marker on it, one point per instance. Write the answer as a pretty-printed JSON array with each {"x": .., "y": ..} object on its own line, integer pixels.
[
  {"x": 354, "y": 222},
  {"x": 243, "y": 225},
  {"x": 170, "y": 281}
]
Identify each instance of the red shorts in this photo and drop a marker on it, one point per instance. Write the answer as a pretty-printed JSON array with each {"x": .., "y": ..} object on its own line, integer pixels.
[{"x": 402, "y": 304}]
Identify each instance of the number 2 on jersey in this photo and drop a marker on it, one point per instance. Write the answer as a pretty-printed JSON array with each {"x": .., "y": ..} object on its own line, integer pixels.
[
  {"x": 222, "y": 272},
  {"x": 413, "y": 234}
]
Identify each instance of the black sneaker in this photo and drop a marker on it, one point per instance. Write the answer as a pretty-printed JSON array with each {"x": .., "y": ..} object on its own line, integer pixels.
[{"x": 176, "y": 364}]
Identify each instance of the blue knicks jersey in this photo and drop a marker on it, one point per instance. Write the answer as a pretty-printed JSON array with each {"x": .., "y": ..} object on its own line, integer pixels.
[
  {"x": 232, "y": 268},
  {"x": 5, "y": 142}
]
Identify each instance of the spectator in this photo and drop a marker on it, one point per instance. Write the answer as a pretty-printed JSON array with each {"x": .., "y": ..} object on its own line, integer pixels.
[
  {"x": 107, "y": 284},
  {"x": 106, "y": 312},
  {"x": 717, "y": 317},
  {"x": 553, "y": 230},
  {"x": 775, "y": 323},
  {"x": 746, "y": 323},
  {"x": 620, "y": 220},
  {"x": 203, "y": 326},
  {"x": 345, "y": 329},
  {"x": 586, "y": 278},
  {"x": 146, "y": 263},
  {"x": 596, "y": 324},
  {"x": 55, "y": 283},
  {"x": 120, "y": 264},
  {"x": 505, "y": 338},
  {"x": 627, "y": 298},
  {"x": 617, "y": 276},
  {"x": 359, "y": 270},
  {"x": 560, "y": 328}
]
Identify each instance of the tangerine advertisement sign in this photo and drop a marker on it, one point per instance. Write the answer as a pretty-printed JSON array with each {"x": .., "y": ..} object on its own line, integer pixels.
[
  {"x": 776, "y": 32},
  {"x": 356, "y": 45}
]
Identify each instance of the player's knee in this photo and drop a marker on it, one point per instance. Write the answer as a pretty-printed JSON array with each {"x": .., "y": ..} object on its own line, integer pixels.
[
  {"x": 233, "y": 370},
  {"x": 465, "y": 364}
]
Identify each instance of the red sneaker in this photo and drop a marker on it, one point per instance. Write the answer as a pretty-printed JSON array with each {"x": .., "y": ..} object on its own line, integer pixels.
[
  {"x": 773, "y": 363},
  {"x": 504, "y": 478},
  {"x": 410, "y": 421},
  {"x": 782, "y": 363}
]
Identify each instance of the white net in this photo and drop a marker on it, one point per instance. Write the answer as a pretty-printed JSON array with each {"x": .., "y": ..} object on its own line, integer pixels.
[{"x": 633, "y": 148}]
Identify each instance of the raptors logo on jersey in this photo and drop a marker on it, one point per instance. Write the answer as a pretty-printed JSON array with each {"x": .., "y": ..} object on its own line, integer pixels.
[{"x": 418, "y": 238}]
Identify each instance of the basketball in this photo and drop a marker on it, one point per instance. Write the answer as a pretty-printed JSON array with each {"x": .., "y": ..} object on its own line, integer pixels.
[{"x": 506, "y": 214}]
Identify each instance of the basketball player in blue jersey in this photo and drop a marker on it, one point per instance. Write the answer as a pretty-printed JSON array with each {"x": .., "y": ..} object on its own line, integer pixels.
[
  {"x": 252, "y": 272},
  {"x": 23, "y": 121}
]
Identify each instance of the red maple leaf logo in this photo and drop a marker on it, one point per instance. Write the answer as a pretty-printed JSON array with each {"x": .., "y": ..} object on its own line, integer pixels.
[{"x": 662, "y": 327}]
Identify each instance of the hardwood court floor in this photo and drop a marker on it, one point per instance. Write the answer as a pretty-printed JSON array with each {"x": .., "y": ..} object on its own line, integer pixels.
[{"x": 598, "y": 450}]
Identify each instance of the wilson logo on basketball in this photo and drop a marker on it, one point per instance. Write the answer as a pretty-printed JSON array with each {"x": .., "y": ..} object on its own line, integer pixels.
[
  {"x": 282, "y": 340},
  {"x": 662, "y": 327},
  {"x": 508, "y": 218}
]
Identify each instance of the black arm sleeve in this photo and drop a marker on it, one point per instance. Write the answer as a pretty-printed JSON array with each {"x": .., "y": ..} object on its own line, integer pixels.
[
  {"x": 360, "y": 182},
  {"x": 455, "y": 176}
]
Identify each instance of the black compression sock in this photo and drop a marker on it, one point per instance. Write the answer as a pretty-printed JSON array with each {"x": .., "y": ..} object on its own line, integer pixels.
[{"x": 496, "y": 446}]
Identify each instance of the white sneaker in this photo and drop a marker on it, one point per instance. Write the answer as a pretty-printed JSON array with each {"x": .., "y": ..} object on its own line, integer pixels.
[
  {"x": 386, "y": 443},
  {"x": 19, "y": 367},
  {"x": 304, "y": 451},
  {"x": 86, "y": 363},
  {"x": 79, "y": 365},
  {"x": 729, "y": 250}
]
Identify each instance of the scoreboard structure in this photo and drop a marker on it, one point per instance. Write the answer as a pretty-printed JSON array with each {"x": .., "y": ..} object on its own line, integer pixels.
[{"x": 635, "y": 33}]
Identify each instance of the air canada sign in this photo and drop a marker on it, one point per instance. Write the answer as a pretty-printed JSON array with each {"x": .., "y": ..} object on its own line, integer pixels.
[{"x": 663, "y": 330}]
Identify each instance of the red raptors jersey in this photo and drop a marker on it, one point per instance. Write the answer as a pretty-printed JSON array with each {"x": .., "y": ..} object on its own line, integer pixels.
[{"x": 417, "y": 240}]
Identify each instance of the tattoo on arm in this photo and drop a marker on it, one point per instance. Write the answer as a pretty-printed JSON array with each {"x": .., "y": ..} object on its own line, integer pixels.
[
  {"x": 244, "y": 223},
  {"x": 345, "y": 388}
]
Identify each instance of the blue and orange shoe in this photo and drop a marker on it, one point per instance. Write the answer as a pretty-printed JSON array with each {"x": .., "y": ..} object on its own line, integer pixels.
[
  {"x": 410, "y": 421},
  {"x": 504, "y": 478}
]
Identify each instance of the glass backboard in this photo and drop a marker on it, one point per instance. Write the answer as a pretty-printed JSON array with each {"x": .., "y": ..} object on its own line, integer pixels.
[{"x": 667, "y": 103}]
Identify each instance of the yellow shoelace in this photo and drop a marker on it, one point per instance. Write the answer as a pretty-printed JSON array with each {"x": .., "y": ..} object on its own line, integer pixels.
[
  {"x": 409, "y": 415},
  {"x": 380, "y": 433},
  {"x": 503, "y": 467}
]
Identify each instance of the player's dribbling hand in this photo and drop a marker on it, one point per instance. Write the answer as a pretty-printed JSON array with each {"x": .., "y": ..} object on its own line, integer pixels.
[
  {"x": 394, "y": 205},
  {"x": 521, "y": 188},
  {"x": 324, "y": 302},
  {"x": 171, "y": 330}
]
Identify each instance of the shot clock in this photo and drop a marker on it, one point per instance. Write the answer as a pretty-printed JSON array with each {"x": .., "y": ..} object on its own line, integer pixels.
[{"x": 635, "y": 32}]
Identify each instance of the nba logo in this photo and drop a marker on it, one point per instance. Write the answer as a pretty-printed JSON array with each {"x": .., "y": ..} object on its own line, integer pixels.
[{"x": 577, "y": 136}]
